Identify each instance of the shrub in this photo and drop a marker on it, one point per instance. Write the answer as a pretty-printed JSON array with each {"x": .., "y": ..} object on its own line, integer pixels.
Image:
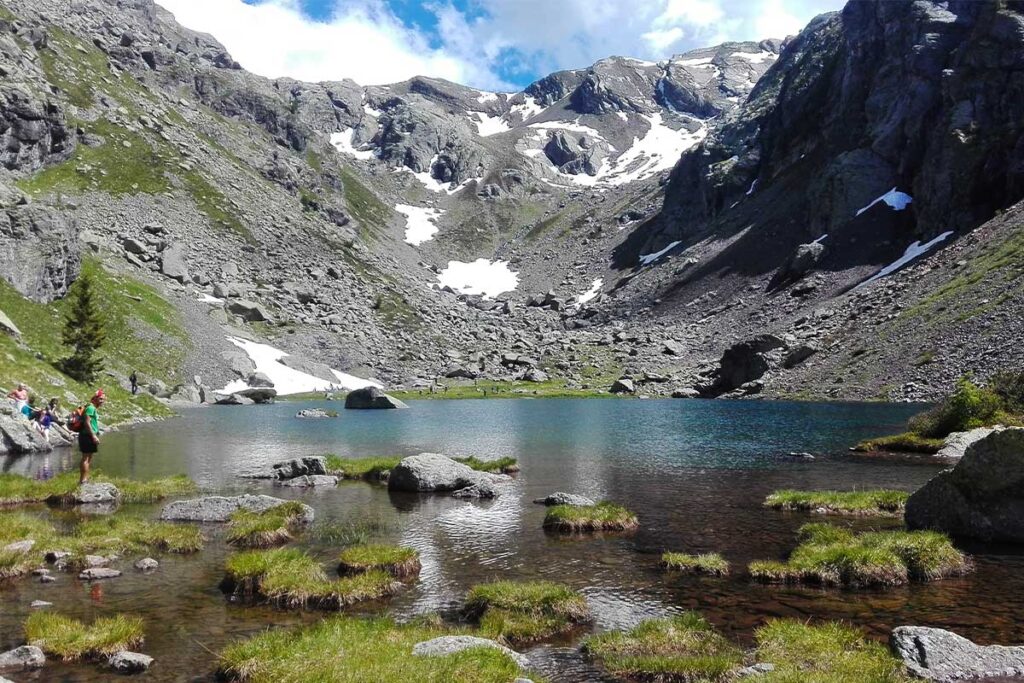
[
  {"x": 968, "y": 407},
  {"x": 1009, "y": 386}
]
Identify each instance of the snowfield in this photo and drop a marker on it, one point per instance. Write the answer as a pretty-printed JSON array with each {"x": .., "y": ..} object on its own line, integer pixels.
[
  {"x": 343, "y": 143},
  {"x": 288, "y": 380},
  {"x": 487, "y": 278},
  {"x": 420, "y": 222},
  {"x": 648, "y": 259},
  {"x": 894, "y": 198},
  {"x": 913, "y": 251}
]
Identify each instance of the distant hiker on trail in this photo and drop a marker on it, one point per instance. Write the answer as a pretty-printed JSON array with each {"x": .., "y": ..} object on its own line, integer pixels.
[
  {"x": 134, "y": 379},
  {"x": 20, "y": 396},
  {"x": 89, "y": 432}
]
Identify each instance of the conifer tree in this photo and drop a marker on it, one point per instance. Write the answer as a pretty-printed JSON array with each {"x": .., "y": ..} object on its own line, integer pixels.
[{"x": 84, "y": 333}]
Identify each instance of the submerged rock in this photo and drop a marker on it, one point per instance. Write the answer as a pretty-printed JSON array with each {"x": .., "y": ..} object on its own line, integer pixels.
[
  {"x": 219, "y": 508},
  {"x": 129, "y": 662},
  {"x": 314, "y": 414},
  {"x": 99, "y": 573},
  {"x": 939, "y": 655},
  {"x": 560, "y": 498},
  {"x": 310, "y": 480},
  {"x": 982, "y": 497},
  {"x": 435, "y": 472},
  {"x": 479, "y": 490},
  {"x": 448, "y": 645},
  {"x": 371, "y": 397},
  {"x": 22, "y": 658}
]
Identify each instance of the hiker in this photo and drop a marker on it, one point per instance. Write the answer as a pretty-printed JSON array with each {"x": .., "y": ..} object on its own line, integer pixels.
[
  {"x": 89, "y": 434},
  {"x": 20, "y": 396},
  {"x": 134, "y": 379}
]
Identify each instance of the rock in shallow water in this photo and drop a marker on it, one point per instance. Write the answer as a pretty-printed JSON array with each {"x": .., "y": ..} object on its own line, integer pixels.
[
  {"x": 310, "y": 480},
  {"x": 436, "y": 472},
  {"x": 371, "y": 397},
  {"x": 479, "y": 490},
  {"x": 939, "y": 655},
  {"x": 90, "y": 493},
  {"x": 447, "y": 645},
  {"x": 297, "y": 467},
  {"x": 129, "y": 662},
  {"x": 98, "y": 573},
  {"x": 146, "y": 564},
  {"x": 22, "y": 658},
  {"x": 957, "y": 443},
  {"x": 560, "y": 498},
  {"x": 219, "y": 508}
]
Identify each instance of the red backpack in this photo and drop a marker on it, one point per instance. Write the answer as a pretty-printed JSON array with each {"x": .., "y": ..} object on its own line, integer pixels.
[{"x": 77, "y": 419}]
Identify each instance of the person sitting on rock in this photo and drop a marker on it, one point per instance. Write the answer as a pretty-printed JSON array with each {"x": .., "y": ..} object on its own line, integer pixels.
[
  {"x": 44, "y": 418},
  {"x": 20, "y": 396}
]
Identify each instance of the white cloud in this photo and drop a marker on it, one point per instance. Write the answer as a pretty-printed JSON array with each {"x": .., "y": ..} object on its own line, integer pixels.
[
  {"x": 695, "y": 12},
  {"x": 659, "y": 40}
]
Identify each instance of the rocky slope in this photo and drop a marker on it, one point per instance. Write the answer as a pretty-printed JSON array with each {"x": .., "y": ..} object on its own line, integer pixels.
[{"x": 356, "y": 227}]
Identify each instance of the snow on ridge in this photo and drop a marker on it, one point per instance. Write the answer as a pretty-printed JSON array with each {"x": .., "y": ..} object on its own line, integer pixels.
[
  {"x": 207, "y": 299},
  {"x": 487, "y": 278},
  {"x": 913, "y": 251},
  {"x": 287, "y": 380},
  {"x": 657, "y": 151},
  {"x": 648, "y": 259},
  {"x": 595, "y": 289},
  {"x": 755, "y": 57},
  {"x": 343, "y": 143},
  {"x": 375, "y": 113},
  {"x": 699, "y": 61},
  {"x": 486, "y": 97},
  {"x": 528, "y": 109},
  {"x": 420, "y": 222},
  {"x": 894, "y": 198},
  {"x": 574, "y": 126}
]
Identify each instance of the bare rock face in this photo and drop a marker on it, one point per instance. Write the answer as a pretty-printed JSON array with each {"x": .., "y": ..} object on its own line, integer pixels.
[
  {"x": 957, "y": 443},
  {"x": 743, "y": 363},
  {"x": 935, "y": 654},
  {"x": 982, "y": 497},
  {"x": 33, "y": 130},
  {"x": 371, "y": 397},
  {"x": 39, "y": 251}
]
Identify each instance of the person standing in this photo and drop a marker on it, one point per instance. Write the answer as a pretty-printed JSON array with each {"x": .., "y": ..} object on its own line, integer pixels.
[
  {"x": 89, "y": 435},
  {"x": 134, "y": 379}
]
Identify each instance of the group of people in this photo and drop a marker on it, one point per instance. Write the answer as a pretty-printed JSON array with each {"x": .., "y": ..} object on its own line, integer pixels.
[{"x": 85, "y": 421}]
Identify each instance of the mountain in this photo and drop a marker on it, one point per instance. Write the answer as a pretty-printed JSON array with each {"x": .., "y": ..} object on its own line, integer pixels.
[{"x": 629, "y": 218}]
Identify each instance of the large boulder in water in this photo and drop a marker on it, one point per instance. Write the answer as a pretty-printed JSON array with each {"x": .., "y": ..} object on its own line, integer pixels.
[
  {"x": 371, "y": 397},
  {"x": 939, "y": 655},
  {"x": 259, "y": 394},
  {"x": 220, "y": 508},
  {"x": 435, "y": 472},
  {"x": 982, "y": 497}
]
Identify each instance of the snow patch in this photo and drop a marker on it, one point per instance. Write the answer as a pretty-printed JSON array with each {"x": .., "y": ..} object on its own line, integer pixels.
[
  {"x": 894, "y": 198},
  {"x": 595, "y": 289},
  {"x": 753, "y": 186},
  {"x": 370, "y": 111},
  {"x": 288, "y": 380},
  {"x": 487, "y": 125},
  {"x": 699, "y": 61},
  {"x": 207, "y": 299},
  {"x": 912, "y": 252},
  {"x": 343, "y": 143},
  {"x": 574, "y": 126},
  {"x": 486, "y": 97},
  {"x": 657, "y": 151},
  {"x": 648, "y": 259},
  {"x": 528, "y": 109},
  {"x": 488, "y": 278},
  {"x": 420, "y": 223},
  {"x": 820, "y": 239},
  {"x": 755, "y": 57},
  {"x": 429, "y": 181}
]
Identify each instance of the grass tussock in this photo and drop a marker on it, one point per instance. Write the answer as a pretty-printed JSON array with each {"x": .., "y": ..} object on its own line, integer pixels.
[
  {"x": 360, "y": 530},
  {"x": 18, "y": 490},
  {"x": 265, "y": 529},
  {"x": 605, "y": 516},
  {"x": 343, "y": 649},
  {"x": 711, "y": 564},
  {"x": 907, "y": 442},
  {"x": 505, "y": 465},
  {"x": 833, "y": 556},
  {"x": 292, "y": 579},
  {"x": 70, "y": 639},
  {"x": 680, "y": 649},
  {"x": 523, "y": 612},
  {"x": 874, "y": 502},
  {"x": 369, "y": 469},
  {"x": 401, "y": 563}
]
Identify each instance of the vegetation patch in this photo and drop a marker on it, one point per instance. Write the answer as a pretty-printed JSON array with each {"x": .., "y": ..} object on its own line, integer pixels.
[
  {"x": 18, "y": 490},
  {"x": 372, "y": 214},
  {"x": 907, "y": 442},
  {"x": 70, "y": 639},
  {"x": 684, "y": 648},
  {"x": 832, "y": 556},
  {"x": 291, "y": 578},
  {"x": 874, "y": 502},
  {"x": 523, "y": 612},
  {"x": 370, "y": 469},
  {"x": 266, "y": 529},
  {"x": 605, "y": 516},
  {"x": 342, "y": 649},
  {"x": 505, "y": 465},
  {"x": 350, "y": 531},
  {"x": 711, "y": 564},
  {"x": 401, "y": 563}
]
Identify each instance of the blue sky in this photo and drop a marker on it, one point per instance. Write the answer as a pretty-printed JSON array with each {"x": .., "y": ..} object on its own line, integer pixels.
[{"x": 488, "y": 44}]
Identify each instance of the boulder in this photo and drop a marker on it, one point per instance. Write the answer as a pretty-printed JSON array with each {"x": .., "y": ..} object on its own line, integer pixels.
[
  {"x": 89, "y": 493},
  {"x": 460, "y": 372},
  {"x": 742, "y": 363},
  {"x": 297, "y": 467},
  {"x": 686, "y": 392},
  {"x": 435, "y": 472},
  {"x": 21, "y": 547},
  {"x": 448, "y": 645},
  {"x": 22, "y": 658},
  {"x": 259, "y": 379},
  {"x": 129, "y": 662},
  {"x": 535, "y": 375},
  {"x": 232, "y": 400},
  {"x": 560, "y": 498},
  {"x": 219, "y": 508},
  {"x": 259, "y": 394},
  {"x": 7, "y": 326},
  {"x": 956, "y": 444},
  {"x": 981, "y": 497},
  {"x": 250, "y": 311},
  {"x": 310, "y": 480},
  {"x": 172, "y": 263},
  {"x": 623, "y": 385},
  {"x": 99, "y": 573},
  {"x": 939, "y": 655},
  {"x": 673, "y": 348},
  {"x": 371, "y": 397},
  {"x": 18, "y": 436},
  {"x": 798, "y": 355},
  {"x": 146, "y": 564}
]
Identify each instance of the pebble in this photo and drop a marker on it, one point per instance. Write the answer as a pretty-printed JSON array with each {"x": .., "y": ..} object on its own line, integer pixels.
[
  {"x": 36, "y": 604},
  {"x": 146, "y": 564}
]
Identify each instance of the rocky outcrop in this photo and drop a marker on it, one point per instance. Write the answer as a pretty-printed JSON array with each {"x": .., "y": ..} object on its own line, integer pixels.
[
  {"x": 33, "y": 129},
  {"x": 435, "y": 472},
  {"x": 220, "y": 508},
  {"x": 39, "y": 251},
  {"x": 935, "y": 654},
  {"x": 449, "y": 645},
  {"x": 8, "y": 327},
  {"x": 259, "y": 394},
  {"x": 743, "y": 363},
  {"x": 982, "y": 497},
  {"x": 371, "y": 398},
  {"x": 560, "y": 498}
]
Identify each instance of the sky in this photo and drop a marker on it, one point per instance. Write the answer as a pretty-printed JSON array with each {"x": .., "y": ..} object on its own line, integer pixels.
[{"x": 494, "y": 45}]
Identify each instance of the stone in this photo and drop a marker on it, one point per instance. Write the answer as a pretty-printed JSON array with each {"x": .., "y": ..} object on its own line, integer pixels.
[
  {"x": 981, "y": 497},
  {"x": 172, "y": 263},
  {"x": 310, "y": 480},
  {"x": 17, "y": 436},
  {"x": 99, "y": 573},
  {"x": 96, "y": 561},
  {"x": 259, "y": 394},
  {"x": 90, "y": 493},
  {"x": 798, "y": 355},
  {"x": 686, "y": 392},
  {"x": 296, "y": 467},
  {"x": 259, "y": 379},
  {"x": 435, "y": 472},
  {"x": 370, "y": 398},
  {"x": 673, "y": 348},
  {"x": 39, "y": 604},
  {"x": 219, "y": 508},
  {"x": 232, "y": 400},
  {"x": 623, "y": 385},
  {"x": 129, "y": 662},
  {"x": 250, "y": 311},
  {"x": 755, "y": 670},
  {"x": 19, "y": 546},
  {"x": 561, "y": 498},
  {"x": 146, "y": 564},
  {"x": 535, "y": 375},
  {"x": 22, "y": 658},
  {"x": 447, "y": 645},
  {"x": 939, "y": 655},
  {"x": 956, "y": 444},
  {"x": 742, "y": 363},
  {"x": 8, "y": 327},
  {"x": 481, "y": 490}
]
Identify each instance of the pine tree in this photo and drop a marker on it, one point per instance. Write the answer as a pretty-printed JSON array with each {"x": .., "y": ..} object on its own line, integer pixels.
[{"x": 84, "y": 333}]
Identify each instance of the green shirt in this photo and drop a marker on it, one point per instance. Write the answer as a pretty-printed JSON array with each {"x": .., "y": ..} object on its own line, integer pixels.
[{"x": 90, "y": 414}]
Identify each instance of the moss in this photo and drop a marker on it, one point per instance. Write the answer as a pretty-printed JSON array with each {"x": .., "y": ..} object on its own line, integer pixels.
[
  {"x": 684, "y": 648},
  {"x": 402, "y": 563},
  {"x": 826, "y": 653},
  {"x": 543, "y": 226},
  {"x": 829, "y": 555},
  {"x": 73, "y": 66},
  {"x": 271, "y": 527},
  {"x": 522, "y": 612},
  {"x": 605, "y": 516},
  {"x": 344, "y": 649},
  {"x": 70, "y": 639},
  {"x": 293, "y": 579},
  {"x": 907, "y": 442},
  {"x": 712, "y": 564},
  {"x": 871, "y": 502}
]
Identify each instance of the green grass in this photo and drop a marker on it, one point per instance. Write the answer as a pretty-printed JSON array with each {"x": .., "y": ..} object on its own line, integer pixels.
[
  {"x": 870, "y": 502},
  {"x": 78, "y": 72},
  {"x": 343, "y": 649},
  {"x": 505, "y": 465},
  {"x": 832, "y": 556},
  {"x": 907, "y": 442},
  {"x": 684, "y": 648},
  {"x": 826, "y": 653},
  {"x": 605, "y": 516},
  {"x": 70, "y": 639},
  {"x": 373, "y": 468},
  {"x": 293, "y": 579},
  {"x": 213, "y": 204},
  {"x": 396, "y": 311},
  {"x": 523, "y": 612},
  {"x": 712, "y": 564},
  {"x": 18, "y": 490},
  {"x": 121, "y": 534},
  {"x": 351, "y": 531},
  {"x": 371, "y": 213},
  {"x": 401, "y": 563},
  {"x": 271, "y": 527}
]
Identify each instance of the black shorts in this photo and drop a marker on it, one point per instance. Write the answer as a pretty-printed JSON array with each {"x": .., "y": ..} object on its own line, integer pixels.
[{"x": 86, "y": 443}]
